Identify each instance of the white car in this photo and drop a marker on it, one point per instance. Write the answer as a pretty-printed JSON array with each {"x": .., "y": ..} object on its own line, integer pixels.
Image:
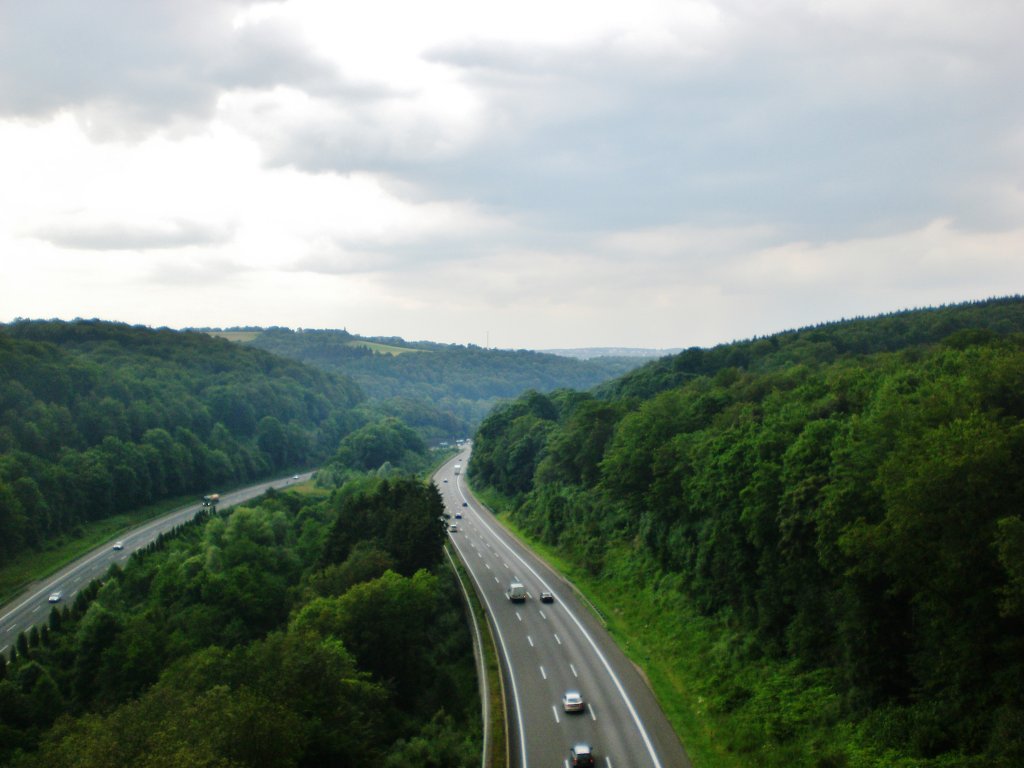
[
  {"x": 118, "y": 545},
  {"x": 56, "y": 597},
  {"x": 572, "y": 701},
  {"x": 453, "y": 528}
]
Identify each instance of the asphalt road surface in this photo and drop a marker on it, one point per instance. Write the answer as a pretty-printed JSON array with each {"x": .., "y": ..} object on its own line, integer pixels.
[
  {"x": 549, "y": 648},
  {"x": 32, "y": 606}
]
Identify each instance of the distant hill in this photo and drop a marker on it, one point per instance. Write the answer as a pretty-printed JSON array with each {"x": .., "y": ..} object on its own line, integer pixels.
[
  {"x": 98, "y": 417},
  {"x": 589, "y": 353},
  {"x": 823, "y": 343},
  {"x": 440, "y": 389}
]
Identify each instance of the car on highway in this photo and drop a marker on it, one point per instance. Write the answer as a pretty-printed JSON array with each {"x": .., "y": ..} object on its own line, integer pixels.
[
  {"x": 465, "y": 504},
  {"x": 581, "y": 756},
  {"x": 118, "y": 545},
  {"x": 572, "y": 701},
  {"x": 295, "y": 477},
  {"x": 458, "y": 515},
  {"x": 446, "y": 479},
  {"x": 453, "y": 528},
  {"x": 56, "y": 597}
]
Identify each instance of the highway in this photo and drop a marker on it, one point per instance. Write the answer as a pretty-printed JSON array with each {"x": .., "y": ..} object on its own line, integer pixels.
[
  {"x": 549, "y": 648},
  {"x": 32, "y": 606}
]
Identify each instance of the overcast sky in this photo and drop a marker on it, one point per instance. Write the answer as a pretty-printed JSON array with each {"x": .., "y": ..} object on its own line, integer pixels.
[{"x": 536, "y": 174}]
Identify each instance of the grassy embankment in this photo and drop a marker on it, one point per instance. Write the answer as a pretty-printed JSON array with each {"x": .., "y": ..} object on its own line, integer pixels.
[
  {"x": 497, "y": 756},
  {"x": 696, "y": 666},
  {"x": 33, "y": 565}
]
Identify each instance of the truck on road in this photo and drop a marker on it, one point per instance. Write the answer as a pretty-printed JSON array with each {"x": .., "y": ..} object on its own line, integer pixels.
[{"x": 516, "y": 592}]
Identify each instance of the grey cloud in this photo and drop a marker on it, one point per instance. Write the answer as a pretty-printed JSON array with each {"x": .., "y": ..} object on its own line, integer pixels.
[
  {"x": 130, "y": 67},
  {"x": 116, "y": 236},
  {"x": 828, "y": 127}
]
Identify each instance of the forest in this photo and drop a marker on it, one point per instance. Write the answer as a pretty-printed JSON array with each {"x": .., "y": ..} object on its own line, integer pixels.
[
  {"x": 439, "y": 389},
  {"x": 97, "y": 417},
  {"x": 838, "y": 508},
  {"x": 299, "y": 630}
]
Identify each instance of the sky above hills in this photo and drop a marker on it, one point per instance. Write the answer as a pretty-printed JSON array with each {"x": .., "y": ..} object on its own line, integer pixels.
[{"x": 530, "y": 174}]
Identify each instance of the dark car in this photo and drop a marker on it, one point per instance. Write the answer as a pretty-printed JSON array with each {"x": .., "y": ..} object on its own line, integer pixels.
[
  {"x": 580, "y": 756},
  {"x": 547, "y": 597},
  {"x": 465, "y": 504}
]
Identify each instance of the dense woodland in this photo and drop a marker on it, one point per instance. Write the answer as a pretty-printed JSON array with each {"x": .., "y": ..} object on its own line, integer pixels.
[
  {"x": 294, "y": 631},
  {"x": 440, "y": 389},
  {"x": 100, "y": 417},
  {"x": 842, "y": 505}
]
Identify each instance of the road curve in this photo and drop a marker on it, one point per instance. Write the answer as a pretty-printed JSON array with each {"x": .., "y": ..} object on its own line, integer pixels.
[
  {"x": 548, "y": 648},
  {"x": 32, "y": 606}
]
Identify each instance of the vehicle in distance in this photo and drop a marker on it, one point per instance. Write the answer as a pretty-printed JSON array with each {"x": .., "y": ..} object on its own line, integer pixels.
[
  {"x": 465, "y": 504},
  {"x": 56, "y": 597},
  {"x": 458, "y": 468},
  {"x": 446, "y": 479},
  {"x": 295, "y": 477},
  {"x": 516, "y": 592},
  {"x": 458, "y": 515},
  {"x": 572, "y": 701},
  {"x": 118, "y": 545},
  {"x": 580, "y": 756},
  {"x": 547, "y": 597},
  {"x": 453, "y": 528},
  {"x": 211, "y": 500}
]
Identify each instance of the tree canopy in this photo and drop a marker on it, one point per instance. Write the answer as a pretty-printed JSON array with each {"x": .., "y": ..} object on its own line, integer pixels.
[
  {"x": 848, "y": 498},
  {"x": 100, "y": 417}
]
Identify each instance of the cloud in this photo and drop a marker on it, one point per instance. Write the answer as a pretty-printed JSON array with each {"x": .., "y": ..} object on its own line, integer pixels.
[
  {"x": 127, "y": 69},
  {"x": 825, "y": 120},
  {"x": 81, "y": 233}
]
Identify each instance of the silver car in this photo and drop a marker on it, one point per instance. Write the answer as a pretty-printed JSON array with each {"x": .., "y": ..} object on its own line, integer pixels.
[{"x": 572, "y": 701}]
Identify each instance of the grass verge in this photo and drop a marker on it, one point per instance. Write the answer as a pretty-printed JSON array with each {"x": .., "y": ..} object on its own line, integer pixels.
[
  {"x": 666, "y": 641},
  {"x": 33, "y": 565},
  {"x": 497, "y": 756}
]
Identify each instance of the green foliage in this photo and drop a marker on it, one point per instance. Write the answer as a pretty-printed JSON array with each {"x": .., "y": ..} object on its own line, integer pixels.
[
  {"x": 851, "y": 513},
  {"x": 203, "y": 650},
  {"x": 385, "y": 441},
  {"x": 443, "y": 389},
  {"x": 100, "y": 417},
  {"x": 403, "y": 517}
]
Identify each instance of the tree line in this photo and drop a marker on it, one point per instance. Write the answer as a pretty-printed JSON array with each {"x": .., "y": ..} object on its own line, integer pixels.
[
  {"x": 99, "y": 417},
  {"x": 442, "y": 390},
  {"x": 855, "y": 518},
  {"x": 296, "y": 631}
]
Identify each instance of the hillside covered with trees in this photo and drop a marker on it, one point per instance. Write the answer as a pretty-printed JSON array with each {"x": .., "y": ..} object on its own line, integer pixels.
[
  {"x": 821, "y": 532},
  {"x": 296, "y": 631},
  {"x": 439, "y": 389},
  {"x": 99, "y": 417}
]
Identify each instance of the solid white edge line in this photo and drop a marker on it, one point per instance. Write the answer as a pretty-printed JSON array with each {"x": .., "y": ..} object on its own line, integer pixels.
[
  {"x": 508, "y": 665},
  {"x": 608, "y": 667},
  {"x": 485, "y": 704},
  {"x": 143, "y": 529}
]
